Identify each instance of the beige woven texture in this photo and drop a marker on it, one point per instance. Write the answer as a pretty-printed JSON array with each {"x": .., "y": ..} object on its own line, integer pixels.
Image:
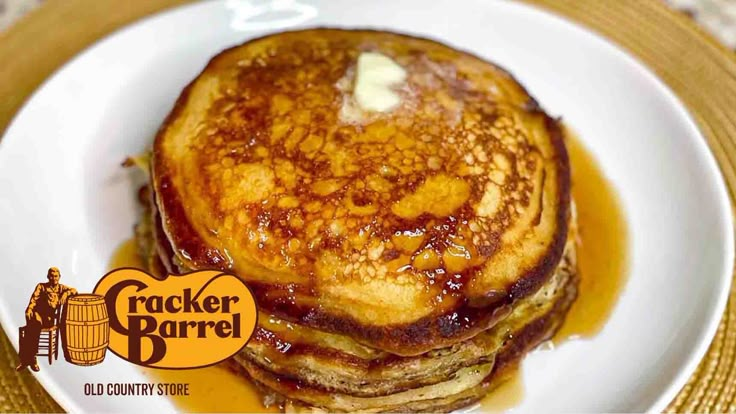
[{"x": 700, "y": 71}]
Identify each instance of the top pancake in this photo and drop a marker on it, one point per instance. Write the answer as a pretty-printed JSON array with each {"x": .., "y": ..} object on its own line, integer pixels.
[{"x": 408, "y": 230}]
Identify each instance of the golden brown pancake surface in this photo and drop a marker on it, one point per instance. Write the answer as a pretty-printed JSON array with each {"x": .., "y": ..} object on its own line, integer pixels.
[{"x": 407, "y": 230}]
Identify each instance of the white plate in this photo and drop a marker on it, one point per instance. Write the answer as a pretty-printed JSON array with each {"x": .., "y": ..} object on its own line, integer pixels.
[{"x": 66, "y": 201}]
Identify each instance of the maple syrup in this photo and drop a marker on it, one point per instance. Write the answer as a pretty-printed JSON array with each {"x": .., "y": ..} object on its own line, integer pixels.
[{"x": 602, "y": 265}]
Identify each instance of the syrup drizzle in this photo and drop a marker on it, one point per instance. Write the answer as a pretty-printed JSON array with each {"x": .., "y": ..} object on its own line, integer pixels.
[{"x": 602, "y": 265}]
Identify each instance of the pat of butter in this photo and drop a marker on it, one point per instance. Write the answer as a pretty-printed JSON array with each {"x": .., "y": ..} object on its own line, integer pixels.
[{"x": 376, "y": 75}]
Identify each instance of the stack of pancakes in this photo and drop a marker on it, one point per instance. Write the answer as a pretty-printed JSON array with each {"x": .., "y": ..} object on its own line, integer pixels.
[{"x": 402, "y": 260}]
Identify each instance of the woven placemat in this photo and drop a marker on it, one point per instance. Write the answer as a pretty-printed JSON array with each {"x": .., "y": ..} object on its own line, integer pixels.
[{"x": 699, "y": 70}]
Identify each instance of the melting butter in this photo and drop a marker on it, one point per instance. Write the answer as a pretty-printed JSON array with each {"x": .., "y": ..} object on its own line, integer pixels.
[{"x": 376, "y": 75}]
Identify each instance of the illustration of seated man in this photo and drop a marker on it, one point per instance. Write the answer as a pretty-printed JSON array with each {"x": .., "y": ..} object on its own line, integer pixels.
[{"x": 42, "y": 312}]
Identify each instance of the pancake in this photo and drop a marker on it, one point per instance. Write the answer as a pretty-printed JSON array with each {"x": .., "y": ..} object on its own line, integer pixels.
[
  {"x": 407, "y": 230},
  {"x": 303, "y": 369},
  {"x": 400, "y": 209},
  {"x": 338, "y": 364},
  {"x": 530, "y": 325}
]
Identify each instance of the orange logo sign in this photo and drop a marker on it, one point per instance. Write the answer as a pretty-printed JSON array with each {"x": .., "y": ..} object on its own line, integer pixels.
[{"x": 185, "y": 321}]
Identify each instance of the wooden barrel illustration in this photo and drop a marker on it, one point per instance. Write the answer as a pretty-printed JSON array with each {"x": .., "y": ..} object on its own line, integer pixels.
[{"x": 86, "y": 329}]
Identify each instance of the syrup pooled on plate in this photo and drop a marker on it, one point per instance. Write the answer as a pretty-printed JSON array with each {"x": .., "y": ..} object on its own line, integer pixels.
[
  {"x": 214, "y": 389},
  {"x": 601, "y": 260},
  {"x": 507, "y": 394},
  {"x": 602, "y": 263},
  {"x": 126, "y": 255},
  {"x": 601, "y": 254}
]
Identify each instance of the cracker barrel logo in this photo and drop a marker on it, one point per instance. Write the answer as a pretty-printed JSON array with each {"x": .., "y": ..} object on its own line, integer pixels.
[{"x": 185, "y": 321}]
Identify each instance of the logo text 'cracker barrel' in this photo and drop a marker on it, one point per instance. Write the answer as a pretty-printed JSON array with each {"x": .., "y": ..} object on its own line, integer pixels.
[{"x": 183, "y": 321}]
